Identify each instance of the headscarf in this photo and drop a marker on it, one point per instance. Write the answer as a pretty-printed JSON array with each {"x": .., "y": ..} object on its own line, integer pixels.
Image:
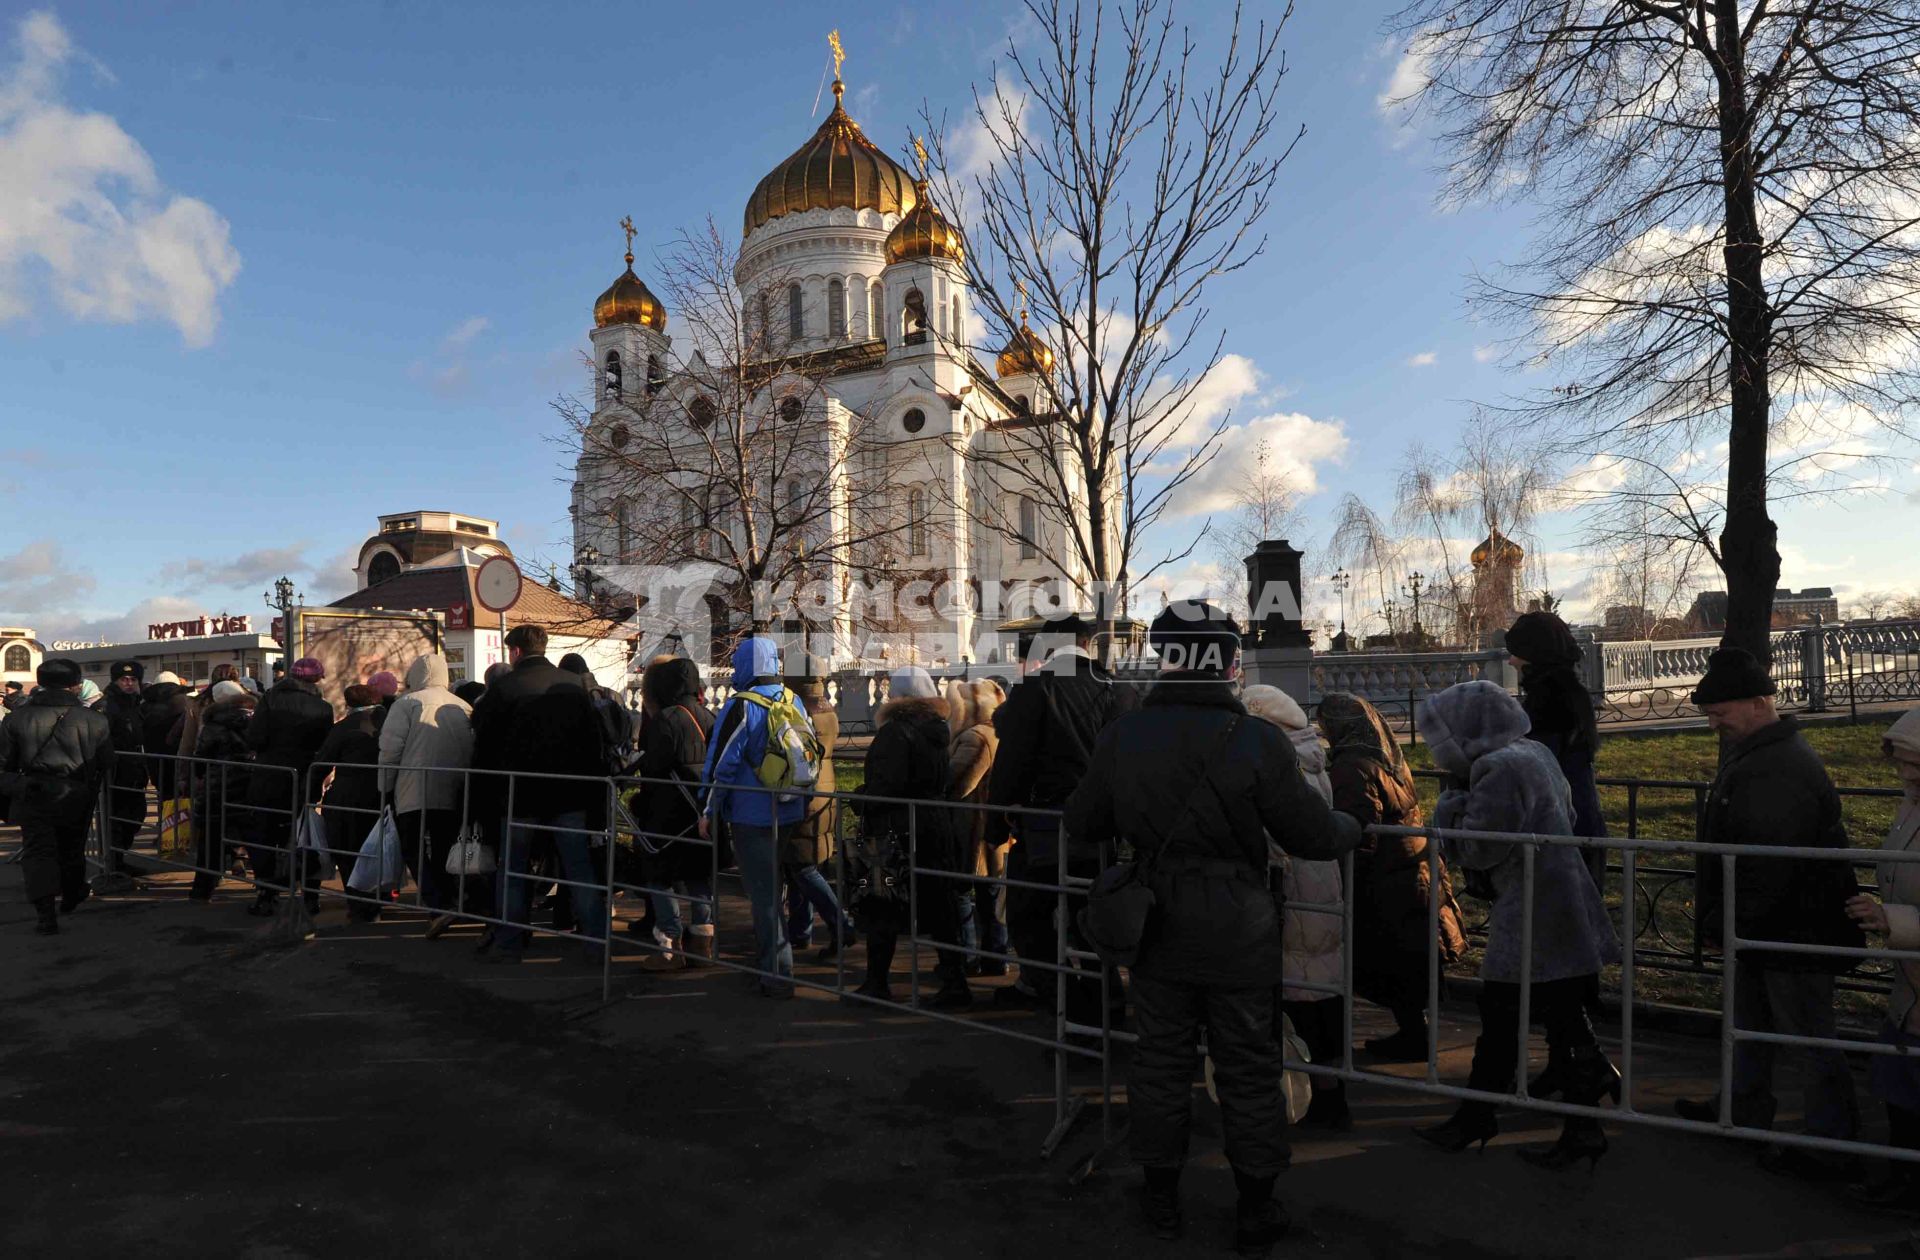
[{"x": 1352, "y": 725}]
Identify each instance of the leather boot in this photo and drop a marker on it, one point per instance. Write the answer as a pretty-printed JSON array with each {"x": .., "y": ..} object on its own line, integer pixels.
[
  {"x": 1258, "y": 1220},
  {"x": 49, "y": 922},
  {"x": 880, "y": 947},
  {"x": 1587, "y": 1075},
  {"x": 1160, "y": 1201}
]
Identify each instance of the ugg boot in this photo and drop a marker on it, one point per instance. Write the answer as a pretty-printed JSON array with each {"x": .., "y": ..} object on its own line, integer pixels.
[
  {"x": 49, "y": 923},
  {"x": 669, "y": 956},
  {"x": 702, "y": 944}
]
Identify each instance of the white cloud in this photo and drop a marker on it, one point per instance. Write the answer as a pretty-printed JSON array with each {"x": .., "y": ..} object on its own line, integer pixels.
[
  {"x": 449, "y": 372},
  {"x": 1485, "y": 354},
  {"x": 37, "y": 578},
  {"x": 469, "y": 329},
  {"x": 84, "y": 217},
  {"x": 1295, "y": 444},
  {"x": 975, "y": 146},
  {"x": 1426, "y": 358},
  {"x": 1412, "y": 71}
]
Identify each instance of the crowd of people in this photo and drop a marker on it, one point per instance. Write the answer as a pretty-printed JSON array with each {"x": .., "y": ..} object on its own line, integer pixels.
[{"x": 1234, "y": 807}]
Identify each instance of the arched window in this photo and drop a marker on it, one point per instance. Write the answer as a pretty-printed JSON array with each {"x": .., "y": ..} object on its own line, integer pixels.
[
  {"x": 791, "y": 409},
  {"x": 1024, "y": 403},
  {"x": 766, "y": 317},
  {"x": 613, "y": 374},
  {"x": 795, "y": 499},
  {"x": 701, "y": 412},
  {"x": 655, "y": 377},
  {"x": 914, "y": 421},
  {"x": 623, "y": 528},
  {"x": 1029, "y": 528},
  {"x": 796, "y": 313},
  {"x": 876, "y": 311},
  {"x": 19, "y": 660},
  {"x": 913, "y": 319},
  {"x": 836, "y": 310},
  {"x": 693, "y": 525},
  {"x": 953, "y": 322},
  {"x": 916, "y": 522},
  {"x": 382, "y": 567}
]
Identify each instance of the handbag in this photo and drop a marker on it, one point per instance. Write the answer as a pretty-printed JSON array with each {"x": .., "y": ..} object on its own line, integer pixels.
[
  {"x": 470, "y": 855},
  {"x": 1121, "y": 901}
]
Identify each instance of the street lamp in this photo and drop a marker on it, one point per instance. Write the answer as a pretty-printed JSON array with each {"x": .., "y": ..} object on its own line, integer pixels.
[
  {"x": 283, "y": 598},
  {"x": 1415, "y": 581},
  {"x": 1341, "y": 580},
  {"x": 582, "y": 569}
]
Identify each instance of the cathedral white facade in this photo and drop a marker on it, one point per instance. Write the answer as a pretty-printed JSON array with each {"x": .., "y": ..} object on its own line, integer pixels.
[{"x": 845, "y": 260}]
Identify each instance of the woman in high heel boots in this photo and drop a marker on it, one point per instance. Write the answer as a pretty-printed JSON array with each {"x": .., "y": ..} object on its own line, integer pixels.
[{"x": 1499, "y": 780}]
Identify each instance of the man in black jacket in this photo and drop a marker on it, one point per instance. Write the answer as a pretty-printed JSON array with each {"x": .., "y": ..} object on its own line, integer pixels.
[
  {"x": 128, "y": 800},
  {"x": 1772, "y": 789},
  {"x": 1198, "y": 788},
  {"x": 288, "y": 727},
  {"x": 56, "y": 753},
  {"x": 539, "y": 720},
  {"x": 1046, "y": 732}
]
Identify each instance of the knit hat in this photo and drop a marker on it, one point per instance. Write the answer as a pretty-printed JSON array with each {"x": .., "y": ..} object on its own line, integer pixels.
[
  {"x": 306, "y": 669},
  {"x": 1193, "y": 636},
  {"x": 384, "y": 683},
  {"x": 167, "y": 676},
  {"x": 911, "y": 680},
  {"x": 1732, "y": 674},
  {"x": 225, "y": 691},
  {"x": 1541, "y": 638},
  {"x": 127, "y": 669}
]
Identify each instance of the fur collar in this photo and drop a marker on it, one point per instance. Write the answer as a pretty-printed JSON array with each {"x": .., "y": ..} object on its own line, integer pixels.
[{"x": 911, "y": 709}]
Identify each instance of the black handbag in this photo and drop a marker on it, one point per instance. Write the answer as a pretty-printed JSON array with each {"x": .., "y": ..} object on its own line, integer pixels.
[{"x": 1121, "y": 901}]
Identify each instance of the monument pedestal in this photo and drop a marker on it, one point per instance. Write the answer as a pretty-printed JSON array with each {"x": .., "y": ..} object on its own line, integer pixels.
[{"x": 1288, "y": 668}]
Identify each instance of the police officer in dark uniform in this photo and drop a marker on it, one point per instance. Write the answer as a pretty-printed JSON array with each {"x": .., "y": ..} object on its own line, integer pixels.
[
  {"x": 55, "y": 754},
  {"x": 1198, "y": 787},
  {"x": 128, "y": 800}
]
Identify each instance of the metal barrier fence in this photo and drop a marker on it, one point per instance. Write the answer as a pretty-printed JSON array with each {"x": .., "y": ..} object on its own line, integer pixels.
[{"x": 1070, "y": 965}]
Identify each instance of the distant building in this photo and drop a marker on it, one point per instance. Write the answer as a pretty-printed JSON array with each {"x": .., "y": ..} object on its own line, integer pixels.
[
  {"x": 1790, "y": 608},
  {"x": 1496, "y": 582},
  {"x": 1626, "y": 621},
  {"x": 20, "y": 655}
]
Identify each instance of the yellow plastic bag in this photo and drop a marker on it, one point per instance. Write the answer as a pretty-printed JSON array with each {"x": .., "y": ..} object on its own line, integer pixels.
[{"x": 176, "y": 828}]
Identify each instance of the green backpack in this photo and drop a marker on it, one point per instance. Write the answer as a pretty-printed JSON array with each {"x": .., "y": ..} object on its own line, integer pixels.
[{"x": 794, "y": 751}]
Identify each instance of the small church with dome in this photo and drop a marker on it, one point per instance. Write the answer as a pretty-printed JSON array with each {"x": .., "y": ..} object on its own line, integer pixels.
[{"x": 845, "y": 260}]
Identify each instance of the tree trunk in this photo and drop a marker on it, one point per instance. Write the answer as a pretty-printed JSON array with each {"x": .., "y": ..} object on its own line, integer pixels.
[{"x": 1748, "y": 556}]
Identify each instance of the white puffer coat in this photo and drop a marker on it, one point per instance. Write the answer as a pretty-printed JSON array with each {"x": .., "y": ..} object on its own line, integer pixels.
[
  {"x": 1310, "y": 940},
  {"x": 428, "y": 727}
]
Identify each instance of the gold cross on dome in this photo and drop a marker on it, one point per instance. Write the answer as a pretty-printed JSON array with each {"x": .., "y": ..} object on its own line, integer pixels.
[
  {"x": 920, "y": 152},
  {"x": 839, "y": 53},
  {"x": 1020, "y": 291},
  {"x": 626, "y": 225}
]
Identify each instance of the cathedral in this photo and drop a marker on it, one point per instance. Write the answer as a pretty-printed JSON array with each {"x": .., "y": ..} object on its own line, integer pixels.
[{"x": 847, "y": 265}]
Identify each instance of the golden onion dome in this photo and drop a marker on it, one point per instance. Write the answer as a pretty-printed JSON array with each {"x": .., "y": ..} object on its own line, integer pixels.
[
  {"x": 839, "y": 168},
  {"x": 924, "y": 232},
  {"x": 1497, "y": 549},
  {"x": 629, "y": 301},
  {"x": 1027, "y": 356}
]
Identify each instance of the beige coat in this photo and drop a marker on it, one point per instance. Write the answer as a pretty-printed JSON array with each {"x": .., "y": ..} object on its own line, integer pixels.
[
  {"x": 1310, "y": 940},
  {"x": 970, "y": 753},
  {"x": 1900, "y": 881},
  {"x": 427, "y": 727}
]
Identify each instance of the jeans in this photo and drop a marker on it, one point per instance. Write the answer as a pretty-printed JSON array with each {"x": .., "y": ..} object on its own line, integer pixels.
[
  {"x": 1798, "y": 1003},
  {"x": 757, "y": 854},
  {"x": 808, "y": 891},
  {"x": 574, "y": 847},
  {"x": 666, "y": 909}
]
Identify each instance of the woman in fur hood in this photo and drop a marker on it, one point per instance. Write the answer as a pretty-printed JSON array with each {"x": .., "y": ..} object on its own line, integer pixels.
[
  {"x": 1499, "y": 780},
  {"x": 983, "y": 921}
]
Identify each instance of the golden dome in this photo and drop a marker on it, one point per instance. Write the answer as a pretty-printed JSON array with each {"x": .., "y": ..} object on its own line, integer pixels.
[
  {"x": 839, "y": 168},
  {"x": 629, "y": 302},
  {"x": 924, "y": 232},
  {"x": 1497, "y": 549},
  {"x": 1027, "y": 356}
]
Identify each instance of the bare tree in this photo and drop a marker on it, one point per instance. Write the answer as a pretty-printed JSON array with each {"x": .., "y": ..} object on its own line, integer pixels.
[
  {"x": 735, "y": 454},
  {"x": 1122, "y": 177},
  {"x": 1363, "y": 544},
  {"x": 1729, "y": 251},
  {"x": 1489, "y": 489},
  {"x": 1265, "y": 505}
]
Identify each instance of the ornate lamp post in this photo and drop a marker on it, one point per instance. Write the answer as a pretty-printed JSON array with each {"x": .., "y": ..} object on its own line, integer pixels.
[
  {"x": 1341, "y": 580},
  {"x": 283, "y": 598},
  {"x": 1415, "y": 581}
]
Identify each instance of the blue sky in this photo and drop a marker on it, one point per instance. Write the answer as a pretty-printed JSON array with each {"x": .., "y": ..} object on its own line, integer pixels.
[{"x": 306, "y": 266}]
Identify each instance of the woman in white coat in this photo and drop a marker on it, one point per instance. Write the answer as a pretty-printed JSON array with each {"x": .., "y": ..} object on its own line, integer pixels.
[
  {"x": 1310, "y": 940},
  {"x": 426, "y": 739}
]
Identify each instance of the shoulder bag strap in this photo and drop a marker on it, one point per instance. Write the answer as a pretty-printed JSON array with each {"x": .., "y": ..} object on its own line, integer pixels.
[{"x": 34, "y": 765}]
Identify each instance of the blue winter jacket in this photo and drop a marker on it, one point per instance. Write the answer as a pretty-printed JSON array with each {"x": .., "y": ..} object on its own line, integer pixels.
[{"x": 740, "y": 742}]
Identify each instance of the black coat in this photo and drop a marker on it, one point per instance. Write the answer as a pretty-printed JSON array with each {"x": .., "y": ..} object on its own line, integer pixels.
[
  {"x": 353, "y": 742},
  {"x": 125, "y": 717},
  {"x": 223, "y": 739},
  {"x": 908, "y": 759},
  {"x": 1773, "y": 790},
  {"x": 1201, "y": 802},
  {"x": 1047, "y": 729},
  {"x": 539, "y": 719},
  {"x": 673, "y": 746},
  {"x": 288, "y": 727},
  {"x": 61, "y": 752},
  {"x": 161, "y": 705}
]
